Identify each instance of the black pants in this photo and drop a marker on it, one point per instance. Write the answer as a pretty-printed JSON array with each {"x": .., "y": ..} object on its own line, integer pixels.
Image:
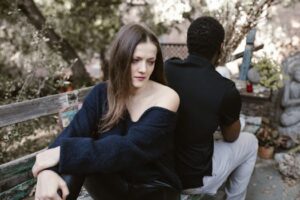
[{"x": 112, "y": 187}]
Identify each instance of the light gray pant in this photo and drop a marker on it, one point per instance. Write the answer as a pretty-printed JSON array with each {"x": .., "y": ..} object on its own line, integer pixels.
[{"x": 234, "y": 161}]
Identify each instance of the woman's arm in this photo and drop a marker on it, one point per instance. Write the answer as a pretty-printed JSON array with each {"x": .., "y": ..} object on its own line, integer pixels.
[
  {"x": 84, "y": 124},
  {"x": 48, "y": 183},
  {"x": 46, "y": 159}
]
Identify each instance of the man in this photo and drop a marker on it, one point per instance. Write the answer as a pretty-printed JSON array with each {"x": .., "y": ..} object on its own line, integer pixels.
[{"x": 209, "y": 101}]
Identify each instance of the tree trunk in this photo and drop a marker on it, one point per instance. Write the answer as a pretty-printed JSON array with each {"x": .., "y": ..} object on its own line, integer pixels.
[{"x": 80, "y": 76}]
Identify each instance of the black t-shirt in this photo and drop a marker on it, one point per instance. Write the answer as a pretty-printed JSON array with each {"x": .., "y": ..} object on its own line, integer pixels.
[{"x": 207, "y": 100}]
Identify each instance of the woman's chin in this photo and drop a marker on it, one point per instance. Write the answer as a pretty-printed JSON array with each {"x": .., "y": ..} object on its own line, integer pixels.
[{"x": 139, "y": 85}]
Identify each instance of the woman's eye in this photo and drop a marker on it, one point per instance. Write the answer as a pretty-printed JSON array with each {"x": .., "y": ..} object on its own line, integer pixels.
[
  {"x": 151, "y": 62},
  {"x": 135, "y": 60}
]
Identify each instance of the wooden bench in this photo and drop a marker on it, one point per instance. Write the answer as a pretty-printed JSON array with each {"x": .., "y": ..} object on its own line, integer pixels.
[{"x": 16, "y": 180}]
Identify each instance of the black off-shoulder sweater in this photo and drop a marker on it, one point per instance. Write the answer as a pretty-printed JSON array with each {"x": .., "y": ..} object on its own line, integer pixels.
[{"x": 141, "y": 152}]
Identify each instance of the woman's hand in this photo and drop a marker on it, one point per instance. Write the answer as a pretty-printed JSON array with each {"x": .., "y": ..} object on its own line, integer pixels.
[
  {"x": 46, "y": 159},
  {"x": 48, "y": 183}
]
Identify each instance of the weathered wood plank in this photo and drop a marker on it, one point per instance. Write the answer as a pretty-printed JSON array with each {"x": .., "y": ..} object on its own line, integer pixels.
[
  {"x": 18, "y": 192},
  {"x": 12, "y": 181},
  {"x": 17, "y": 166},
  {"x": 26, "y": 110}
]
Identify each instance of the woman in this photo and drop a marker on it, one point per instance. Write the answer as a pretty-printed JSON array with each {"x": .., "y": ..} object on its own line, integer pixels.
[{"x": 121, "y": 139}]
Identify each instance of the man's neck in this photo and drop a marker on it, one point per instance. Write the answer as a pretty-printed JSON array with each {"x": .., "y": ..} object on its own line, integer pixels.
[{"x": 212, "y": 60}]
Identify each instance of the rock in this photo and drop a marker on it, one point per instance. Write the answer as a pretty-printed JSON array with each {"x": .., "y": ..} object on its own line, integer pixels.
[
  {"x": 288, "y": 164},
  {"x": 278, "y": 157},
  {"x": 253, "y": 76}
]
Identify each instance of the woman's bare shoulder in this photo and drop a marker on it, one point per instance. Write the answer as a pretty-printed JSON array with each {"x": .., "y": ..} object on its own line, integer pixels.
[{"x": 166, "y": 97}]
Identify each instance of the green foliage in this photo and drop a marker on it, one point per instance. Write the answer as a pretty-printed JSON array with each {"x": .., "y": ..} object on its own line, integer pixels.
[
  {"x": 270, "y": 73},
  {"x": 29, "y": 69},
  {"x": 89, "y": 26},
  {"x": 7, "y": 8}
]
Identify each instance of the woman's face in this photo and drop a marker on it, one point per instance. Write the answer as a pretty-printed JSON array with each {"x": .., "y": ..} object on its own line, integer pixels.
[{"x": 143, "y": 62}]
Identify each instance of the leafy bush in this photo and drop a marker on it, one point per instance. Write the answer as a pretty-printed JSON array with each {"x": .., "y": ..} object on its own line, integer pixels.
[{"x": 270, "y": 73}]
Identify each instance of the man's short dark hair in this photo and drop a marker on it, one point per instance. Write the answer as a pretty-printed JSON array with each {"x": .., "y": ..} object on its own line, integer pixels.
[{"x": 205, "y": 36}]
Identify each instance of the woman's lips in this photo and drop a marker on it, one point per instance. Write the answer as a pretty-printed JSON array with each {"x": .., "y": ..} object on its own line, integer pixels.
[{"x": 140, "y": 78}]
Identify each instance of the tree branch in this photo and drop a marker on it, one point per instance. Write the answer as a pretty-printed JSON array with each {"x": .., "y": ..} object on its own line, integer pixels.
[{"x": 55, "y": 42}]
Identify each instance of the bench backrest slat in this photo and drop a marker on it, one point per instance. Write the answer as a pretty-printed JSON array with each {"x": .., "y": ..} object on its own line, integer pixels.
[
  {"x": 26, "y": 110},
  {"x": 16, "y": 171},
  {"x": 19, "y": 191}
]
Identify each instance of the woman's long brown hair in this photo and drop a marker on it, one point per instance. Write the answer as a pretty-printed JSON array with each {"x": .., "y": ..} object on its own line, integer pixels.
[{"x": 119, "y": 83}]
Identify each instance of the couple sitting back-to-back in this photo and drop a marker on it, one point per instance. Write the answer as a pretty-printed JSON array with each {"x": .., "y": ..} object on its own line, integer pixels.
[{"x": 137, "y": 138}]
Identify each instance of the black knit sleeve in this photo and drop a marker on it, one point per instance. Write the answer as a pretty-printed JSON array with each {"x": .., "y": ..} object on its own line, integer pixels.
[{"x": 145, "y": 141}]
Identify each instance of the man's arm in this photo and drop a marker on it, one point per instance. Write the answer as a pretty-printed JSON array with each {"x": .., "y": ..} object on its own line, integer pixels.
[
  {"x": 230, "y": 113},
  {"x": 231, "y": 132}
]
